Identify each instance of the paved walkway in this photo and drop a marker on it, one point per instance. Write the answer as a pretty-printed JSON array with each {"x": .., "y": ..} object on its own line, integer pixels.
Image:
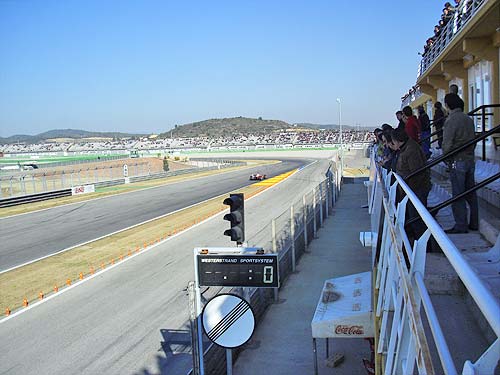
[{"x": 282, "y": 343}]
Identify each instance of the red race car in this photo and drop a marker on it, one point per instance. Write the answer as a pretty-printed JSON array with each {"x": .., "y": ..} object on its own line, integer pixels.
[{"x": 258, "y": 177}]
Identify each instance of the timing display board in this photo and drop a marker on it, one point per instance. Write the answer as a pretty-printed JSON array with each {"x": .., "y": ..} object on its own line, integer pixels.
[{"x": 259, "y": 271}]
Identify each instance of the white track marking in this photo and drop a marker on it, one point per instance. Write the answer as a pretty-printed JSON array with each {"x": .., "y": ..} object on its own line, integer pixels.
[{"x": 80, "y": 282}]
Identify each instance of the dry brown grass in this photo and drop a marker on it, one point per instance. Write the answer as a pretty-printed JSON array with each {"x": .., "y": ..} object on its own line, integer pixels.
[{"x": 42, "y": 276}]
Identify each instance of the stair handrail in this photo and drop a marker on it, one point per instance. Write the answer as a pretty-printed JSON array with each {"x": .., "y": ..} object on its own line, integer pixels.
[{"x": 455, "y": 151}]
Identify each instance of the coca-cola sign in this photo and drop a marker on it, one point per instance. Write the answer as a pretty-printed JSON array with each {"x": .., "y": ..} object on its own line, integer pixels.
[{"x": 349, "y": 330}]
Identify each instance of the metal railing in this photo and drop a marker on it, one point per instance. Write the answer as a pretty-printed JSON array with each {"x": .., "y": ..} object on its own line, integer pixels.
[
  {"x": 455, "y": 151},
  {"x": 402, "y": 343},
  {"x": 462, "y": 15}
]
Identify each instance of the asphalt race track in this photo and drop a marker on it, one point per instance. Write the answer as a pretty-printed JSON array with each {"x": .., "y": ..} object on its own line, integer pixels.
[
  {"x": 38, "y": 234},
  {"x": 133, "y": 319}
]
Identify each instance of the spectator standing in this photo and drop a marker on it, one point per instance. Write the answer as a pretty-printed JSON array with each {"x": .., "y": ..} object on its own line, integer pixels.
[
  {"x": 425, "y": 127},
  {"x": 459, "y": 129},
  {"x": 412, "y": 126},
  {"x": 411, "y": 158},
  {"x": 399, "y": 116},
  {"x": 390, "y": 153},
  {"x": 453, "y": 89},
  {"x": 439, "y": 117}
]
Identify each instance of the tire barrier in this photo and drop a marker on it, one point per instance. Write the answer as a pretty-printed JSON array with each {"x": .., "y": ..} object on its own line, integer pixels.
[{"x": 9, "y": 202}]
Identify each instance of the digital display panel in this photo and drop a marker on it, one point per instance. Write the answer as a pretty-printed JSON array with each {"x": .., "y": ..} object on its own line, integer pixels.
[{"x": 260, "y": 271}]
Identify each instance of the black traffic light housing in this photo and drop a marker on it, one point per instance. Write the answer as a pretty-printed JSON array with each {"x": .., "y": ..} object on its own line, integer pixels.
[{"x": 236, "y": 216}]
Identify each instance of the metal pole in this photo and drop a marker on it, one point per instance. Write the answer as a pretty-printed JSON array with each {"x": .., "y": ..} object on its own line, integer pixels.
[
  {"x": 229, "y": 362},
  {"x": 320, "y": 206},
  {"x": 327, "y": 197},
  {"x": 315, "y": 354},
  {"x": 292, "y": 232},
  {"x": 273, "y": 235},
  {"x": 483, "y": 120},
  {"x": 304, "y": 207},
  {"x": 198, "y": 314},
  {"x": 194, "y": 328},
  {"x": 341, "y": 142},
  {"x": 315, "y": 228}
]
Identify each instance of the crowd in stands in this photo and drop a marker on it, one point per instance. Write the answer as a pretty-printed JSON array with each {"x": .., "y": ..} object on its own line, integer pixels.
[
  {"x": 405, "y": 149},
  {"x": 457, "y": 14},
  {"x": 319, "y": 137}
]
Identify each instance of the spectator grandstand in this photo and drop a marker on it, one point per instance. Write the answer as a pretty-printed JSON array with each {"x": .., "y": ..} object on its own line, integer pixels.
[{"x": 295, "y": 138}]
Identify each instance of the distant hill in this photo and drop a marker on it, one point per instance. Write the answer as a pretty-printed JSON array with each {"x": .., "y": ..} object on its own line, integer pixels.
[
  {"x": 226, "y": 126},
  {"x": 64, "y": 133}
]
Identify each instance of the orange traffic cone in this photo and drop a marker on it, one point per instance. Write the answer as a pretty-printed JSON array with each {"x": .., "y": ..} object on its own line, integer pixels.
[
  {"x": 103, "y": 266},
  {"x": 56, "y": 288},
  {"x": 40, "y": 295},
  {"x": 68, "y": 282},
  {"x": 112, "y": 261},
  {"x": 7, "y": 311},
  {"x": 121, "y": 257},
  {"x": 80, "y": 276},
  {"x": 129, "y": 253},
  {"x": 25, "y": 302}
]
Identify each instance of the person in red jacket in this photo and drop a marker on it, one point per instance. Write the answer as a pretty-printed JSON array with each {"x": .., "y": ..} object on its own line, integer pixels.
[{"x": 412, "y": 125}]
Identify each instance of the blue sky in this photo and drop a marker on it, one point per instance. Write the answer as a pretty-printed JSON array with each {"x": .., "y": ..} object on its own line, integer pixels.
[{"x": 144, "y": 66}]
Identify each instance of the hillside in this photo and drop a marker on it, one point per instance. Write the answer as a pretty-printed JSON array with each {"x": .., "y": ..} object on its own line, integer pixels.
[
  {"x": 226, "y": 126},
  {"x": 64, "y": 133}
]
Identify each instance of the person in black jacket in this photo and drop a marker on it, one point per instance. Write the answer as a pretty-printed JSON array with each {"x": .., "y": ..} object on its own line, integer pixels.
[
  {"x": 425, "y": 127},
  {"x": 438, "y": 119}
]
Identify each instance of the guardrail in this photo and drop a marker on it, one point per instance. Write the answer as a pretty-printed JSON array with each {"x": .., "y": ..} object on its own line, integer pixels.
[
  {"x": 400, "y": 268},
  {"x": 289, "y": 235},
  {"x": 9, "y": 202},
  {"x": 23, "y": 199}
]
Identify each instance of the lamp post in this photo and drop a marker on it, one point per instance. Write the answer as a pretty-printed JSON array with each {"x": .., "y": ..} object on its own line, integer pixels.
[{"x": 341, "y": 142}]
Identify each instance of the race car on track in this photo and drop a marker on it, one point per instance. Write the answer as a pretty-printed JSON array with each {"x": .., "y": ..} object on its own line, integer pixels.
[{"x": 258, "y": 176}]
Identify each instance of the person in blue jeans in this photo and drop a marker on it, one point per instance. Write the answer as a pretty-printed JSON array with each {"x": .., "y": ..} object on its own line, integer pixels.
[{"x": 459, "y": 129}]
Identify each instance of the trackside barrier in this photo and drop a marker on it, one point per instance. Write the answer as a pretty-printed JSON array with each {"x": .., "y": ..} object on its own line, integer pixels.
[
  {"x": 295, "y": 228},
  {"x": 9, "y": 202},
  {"x": 402, "y": 344},
  {"x": 23, "y": 199}
]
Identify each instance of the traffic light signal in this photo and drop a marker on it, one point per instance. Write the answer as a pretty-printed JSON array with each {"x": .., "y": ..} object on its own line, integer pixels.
[{"x": 236, "y": 216}]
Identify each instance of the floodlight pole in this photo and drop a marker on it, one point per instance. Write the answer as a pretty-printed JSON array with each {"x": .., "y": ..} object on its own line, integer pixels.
[{"x": 341, "y": 143}]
